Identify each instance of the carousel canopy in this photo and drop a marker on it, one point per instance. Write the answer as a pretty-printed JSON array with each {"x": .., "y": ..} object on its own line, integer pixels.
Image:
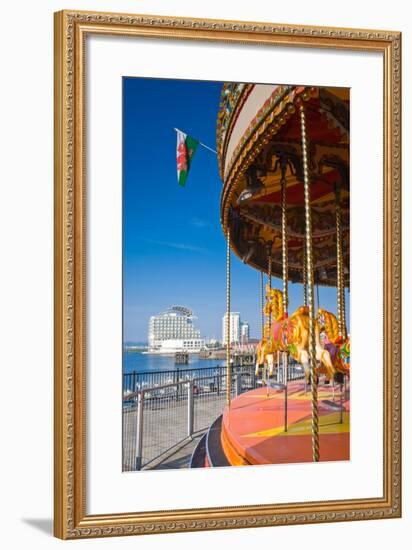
[{"x": 259, "y": 142}]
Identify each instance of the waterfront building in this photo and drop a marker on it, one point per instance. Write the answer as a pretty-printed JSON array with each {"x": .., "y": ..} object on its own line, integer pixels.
[
  {"x": 239, "y": 331},
  {"x": 174, "y": 324},
  {"x": 234, "y": 330},
  {"x": 244, "y": 333},
  {"x": 190, "y": 345}
]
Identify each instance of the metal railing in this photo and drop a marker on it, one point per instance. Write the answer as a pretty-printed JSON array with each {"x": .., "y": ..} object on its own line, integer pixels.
[
  {"x": 135, "y": 381},
  {"x": 157, "y": 419}
]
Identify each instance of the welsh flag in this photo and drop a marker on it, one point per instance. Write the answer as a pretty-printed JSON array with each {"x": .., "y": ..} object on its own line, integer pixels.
[{"x": 186, "y": 147}]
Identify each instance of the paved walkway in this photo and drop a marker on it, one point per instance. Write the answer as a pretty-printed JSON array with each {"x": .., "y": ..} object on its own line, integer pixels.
[
  {"x": 165, "y": 426},
  {"x": 180, "y": 457}
]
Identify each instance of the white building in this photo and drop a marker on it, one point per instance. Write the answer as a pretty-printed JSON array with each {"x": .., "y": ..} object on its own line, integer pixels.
[
  {"x": 234, "y": 331},
  {"x": 244, "y": 333},
  {"x": 174, "y": 324},
  {"x": 191, "y": 345},
  {"x": 239, "y": 331}
]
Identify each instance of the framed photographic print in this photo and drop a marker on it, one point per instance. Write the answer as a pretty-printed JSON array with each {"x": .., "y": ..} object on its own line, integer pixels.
[{"x": 227, "y": 274}]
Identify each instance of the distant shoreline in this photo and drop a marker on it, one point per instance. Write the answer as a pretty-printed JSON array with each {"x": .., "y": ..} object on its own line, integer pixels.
[
  {"x": 170, "y": 353},
  {"x": 135, "y": 348}
]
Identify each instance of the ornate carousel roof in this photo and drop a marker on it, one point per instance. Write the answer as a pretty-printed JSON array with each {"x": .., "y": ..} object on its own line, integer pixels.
[{"x": 258, "y": 142}]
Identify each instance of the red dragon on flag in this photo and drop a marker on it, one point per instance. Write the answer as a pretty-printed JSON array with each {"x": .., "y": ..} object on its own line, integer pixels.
[{"x": 186, "y": 147}]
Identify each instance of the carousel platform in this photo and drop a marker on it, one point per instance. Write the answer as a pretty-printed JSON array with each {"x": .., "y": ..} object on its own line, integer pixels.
[
  {"x": 253, "y": 432},
  {"x": 253, "y": 429}
]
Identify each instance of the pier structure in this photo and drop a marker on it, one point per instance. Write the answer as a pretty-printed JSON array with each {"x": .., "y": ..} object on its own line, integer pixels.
[{"x": 181, "y": 358}]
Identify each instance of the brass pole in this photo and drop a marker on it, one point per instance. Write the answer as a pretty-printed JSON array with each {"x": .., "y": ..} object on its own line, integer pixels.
[
  {"x": 270, "y": 268},
  {"x": 228, "y": 318},
  {"x": 309, "y": 260},
  {"x": 343, "y": 305},
  {"x": 284, "y": 241},
  {"x": 305, "y": 281},
  {"x": 266, "y": 369},
  {"x": 269, "y": 252},
  {"x": 339, "y": 266},
  {"x": 262, "y": 304}
]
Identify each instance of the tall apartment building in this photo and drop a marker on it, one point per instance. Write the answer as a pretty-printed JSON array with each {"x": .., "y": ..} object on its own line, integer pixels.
[
  {"x": 244, "y": 333},
  {"x": 239, "y": 331}
]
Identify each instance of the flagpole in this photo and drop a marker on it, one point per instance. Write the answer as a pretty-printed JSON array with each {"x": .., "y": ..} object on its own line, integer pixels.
[
  {"x": 206, "y": 147},
  {"x": 199, "y": 142}
]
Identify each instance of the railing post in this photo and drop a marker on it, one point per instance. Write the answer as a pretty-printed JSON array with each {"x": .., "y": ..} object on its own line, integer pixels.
[
  {"x": 190, "y": 409},
  {"x": 139, "y": 430},
  {"x": 238, "y": 383},
  {"x": 178, "y": 388}
]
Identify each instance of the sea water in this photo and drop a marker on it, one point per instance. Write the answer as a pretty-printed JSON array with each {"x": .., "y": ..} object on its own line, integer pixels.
[{"x": 136, "y": 361}]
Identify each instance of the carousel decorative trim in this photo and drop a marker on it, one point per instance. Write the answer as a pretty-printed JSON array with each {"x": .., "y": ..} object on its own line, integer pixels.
[
  {"x": 267, "y": 136},
  {"x": 228, "y": 120},
  {"x": 71, "y": 520},
  {"x": 256, "y": 136},
  {"x": 274, "y": 107}
]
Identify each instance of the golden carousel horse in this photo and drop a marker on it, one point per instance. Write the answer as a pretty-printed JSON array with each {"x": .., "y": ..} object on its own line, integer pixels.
[
  {"x": 265, "y": 351},
  {"x": 291, "y": 334},
  {"x": 267, "y": 347},
  {"x": 338, "y": 347}
]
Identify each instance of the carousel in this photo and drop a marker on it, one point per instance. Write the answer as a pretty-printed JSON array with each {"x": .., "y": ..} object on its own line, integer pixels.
[{"x": 283, "y": 155}]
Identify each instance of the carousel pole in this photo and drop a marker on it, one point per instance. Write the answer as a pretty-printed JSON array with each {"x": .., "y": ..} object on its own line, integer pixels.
[
  {"x": 285, "y": 269},
  {"x": 305, "y": 280},
  {"x": 269, "y": 251},
  {"x": 309, "y": 259},
  {"x": 284, "y": 240},
  {"x": 228, "y": 385},
  {"x": 262, "y": 304},
  {"x": 339, "y": 266},
  {"x": 269, "y": 254}
]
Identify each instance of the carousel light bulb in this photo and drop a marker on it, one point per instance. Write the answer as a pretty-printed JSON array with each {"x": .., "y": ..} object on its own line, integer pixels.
[
  {"x": 245, "y": 195},
  {"x": 323, "y": 274},
  {"x": 249, "y": 253}
]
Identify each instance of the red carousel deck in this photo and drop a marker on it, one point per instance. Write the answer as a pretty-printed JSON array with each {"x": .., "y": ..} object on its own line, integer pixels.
[{"x": 253, "y": 427}]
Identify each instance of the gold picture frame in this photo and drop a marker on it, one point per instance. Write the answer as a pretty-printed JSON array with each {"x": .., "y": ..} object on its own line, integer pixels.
[{"x": 70, "y": 518}]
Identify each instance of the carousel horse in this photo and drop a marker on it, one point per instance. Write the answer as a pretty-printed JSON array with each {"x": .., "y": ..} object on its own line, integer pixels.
[
  {"x": 265, "y": 351},
  {"x": 338, "y": 348},
  {"x": 267, "y": 347},
  {"x": 344, "y": 352},
  {"x": 291, "y": 334}
]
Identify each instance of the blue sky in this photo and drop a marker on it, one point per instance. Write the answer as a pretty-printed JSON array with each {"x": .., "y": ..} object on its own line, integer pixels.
[{"x": 174, "y": 251}]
